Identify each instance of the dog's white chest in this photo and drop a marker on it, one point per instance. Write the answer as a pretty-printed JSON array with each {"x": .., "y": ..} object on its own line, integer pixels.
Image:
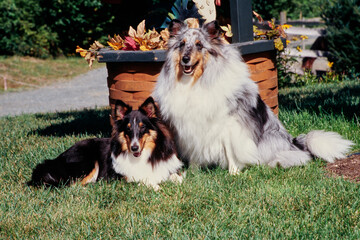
[
  {"x": 207, "y": 132},
  {"x": 198, "y": 114},
  {"x": 139, "y": 169}
]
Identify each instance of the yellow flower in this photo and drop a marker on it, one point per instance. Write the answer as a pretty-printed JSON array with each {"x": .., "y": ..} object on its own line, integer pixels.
[
  {"x": 286, "y": 26},
  {"x": 287, "y": 42},
  {"x": 303, "y": 37},
  {"x": 299, "y": 48},
  {"x": 330, "y": 64},
  {"x": 278, "y": 44}
]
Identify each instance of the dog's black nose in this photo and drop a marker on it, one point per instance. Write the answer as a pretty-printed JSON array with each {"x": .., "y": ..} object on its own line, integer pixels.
[
  {"x": 134, "y": 148},
  {"x": 186, "y": 59}
]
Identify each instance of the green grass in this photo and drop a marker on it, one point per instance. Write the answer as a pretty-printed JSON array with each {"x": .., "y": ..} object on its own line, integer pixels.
[
  {"x": 300, "y": 202},
  {"x": 27, "y": 72}
]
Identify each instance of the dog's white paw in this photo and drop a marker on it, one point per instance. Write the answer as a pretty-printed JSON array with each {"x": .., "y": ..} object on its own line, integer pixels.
[
  {"x": 156, "y": 187},
  {"x": 177, "y": 178},
  {"x": 273, "y": 164},
  {"x": 234, "y": 170}
]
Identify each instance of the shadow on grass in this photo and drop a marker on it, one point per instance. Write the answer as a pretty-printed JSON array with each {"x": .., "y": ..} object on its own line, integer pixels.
[
  {"x": 89, "y": 121},
  {"x": 339, "y": 99},
  {"x": 342, "y": 98}
]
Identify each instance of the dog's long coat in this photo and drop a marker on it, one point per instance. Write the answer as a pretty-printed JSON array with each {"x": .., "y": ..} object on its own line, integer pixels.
[
  {"x": 141, "y": 149},
  {"x": 204, "y": 90}
]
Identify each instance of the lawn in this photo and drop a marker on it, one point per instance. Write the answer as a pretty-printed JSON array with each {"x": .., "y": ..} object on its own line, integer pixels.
[
  {"x": 300, "y": 202},
  {"x": 27, "y": 72}
]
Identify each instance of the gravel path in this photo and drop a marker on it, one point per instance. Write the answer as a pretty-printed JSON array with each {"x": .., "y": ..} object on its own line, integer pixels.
[{"x": 88, "y": 90}]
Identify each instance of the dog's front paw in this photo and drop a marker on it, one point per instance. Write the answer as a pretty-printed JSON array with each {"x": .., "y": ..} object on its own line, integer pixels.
[
  {"x": 234, "y": 170},
  {"x": 177, "y": 178},
  {"x": 154, "y": 186},
  {"x": 274, "y": 164}
]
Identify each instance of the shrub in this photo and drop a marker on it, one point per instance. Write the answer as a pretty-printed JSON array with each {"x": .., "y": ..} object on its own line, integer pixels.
[
  {"x": 272, "y": 8},
  {"x": 342, "y": 19},
  {"x": 44, "y": 28},
  {"x": 20, "y": 33}
]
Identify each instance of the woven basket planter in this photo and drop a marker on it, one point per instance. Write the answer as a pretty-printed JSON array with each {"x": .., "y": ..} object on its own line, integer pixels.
[
  {"x": 264, "y": 73},
  {"x": 132, "y": 82},
  {"x": 132, "y": 75}
]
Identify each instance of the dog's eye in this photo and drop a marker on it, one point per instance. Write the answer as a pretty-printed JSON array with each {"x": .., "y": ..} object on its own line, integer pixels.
[
  {"x": 199, "y": 45},
  {"x": 182, "y": 44}
]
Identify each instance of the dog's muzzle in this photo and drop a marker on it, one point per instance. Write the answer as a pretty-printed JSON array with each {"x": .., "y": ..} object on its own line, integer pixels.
[{"x": 188, "y": 69}]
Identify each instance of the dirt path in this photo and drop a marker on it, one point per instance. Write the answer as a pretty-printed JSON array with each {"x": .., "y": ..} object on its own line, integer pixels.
[{"x": 85, "y": 91}]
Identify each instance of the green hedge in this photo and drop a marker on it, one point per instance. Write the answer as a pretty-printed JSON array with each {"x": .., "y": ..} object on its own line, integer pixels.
[
  {"x": 342, "y": 18},
  {"x": 271, "y": 8},
  {"x": 44, "y": 28},
  {"x": 20, "y": 33}
]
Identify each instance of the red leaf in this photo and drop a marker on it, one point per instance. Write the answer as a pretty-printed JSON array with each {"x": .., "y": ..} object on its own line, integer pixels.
[{"x": 130, "y": 44}]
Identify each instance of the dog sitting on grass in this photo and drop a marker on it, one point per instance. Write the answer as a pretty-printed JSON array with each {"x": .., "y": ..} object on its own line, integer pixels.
[{"x": 205, "y": 92}]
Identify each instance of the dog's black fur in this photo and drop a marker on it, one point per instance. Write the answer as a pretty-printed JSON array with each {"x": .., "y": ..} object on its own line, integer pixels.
[{"x": 92, "y": 159}]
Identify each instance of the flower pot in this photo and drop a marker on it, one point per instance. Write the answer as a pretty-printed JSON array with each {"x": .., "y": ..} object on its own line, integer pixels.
[{"x": 132, "y": 74}]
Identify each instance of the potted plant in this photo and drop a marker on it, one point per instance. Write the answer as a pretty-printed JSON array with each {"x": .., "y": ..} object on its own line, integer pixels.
[{"x": 134, "y": 62}]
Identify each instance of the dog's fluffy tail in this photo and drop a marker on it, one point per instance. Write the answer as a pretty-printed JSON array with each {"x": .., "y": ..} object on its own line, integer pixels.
[
  {"x": 48, "y": 173},
  {"x": 328, "y": 146}
]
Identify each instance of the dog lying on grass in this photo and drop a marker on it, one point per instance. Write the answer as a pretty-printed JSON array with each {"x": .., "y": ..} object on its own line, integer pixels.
[{"x": 141, "y": 149}]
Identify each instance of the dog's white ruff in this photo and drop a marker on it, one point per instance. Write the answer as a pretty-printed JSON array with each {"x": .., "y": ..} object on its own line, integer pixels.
[{"x": 139, "y": 169}]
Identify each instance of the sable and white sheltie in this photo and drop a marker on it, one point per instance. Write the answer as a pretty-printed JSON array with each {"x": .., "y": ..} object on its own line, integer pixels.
[
  {"x": 141, "y": 149},
  {"x": 205, "y": 92}
]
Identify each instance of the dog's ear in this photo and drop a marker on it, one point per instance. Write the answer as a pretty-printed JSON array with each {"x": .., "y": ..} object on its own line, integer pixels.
[
  {"x": 175, "y": 26},
  {"x": 213, "y": 29},
  {"x": 149, "y": 108},
  {"x": 121, "y": 109}
]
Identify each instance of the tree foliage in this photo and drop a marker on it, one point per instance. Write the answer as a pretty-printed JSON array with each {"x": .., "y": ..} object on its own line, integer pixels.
[
  {"x": 20, "y": 32},
  {"x": 271, "y": 8},
  {"x": 44, "y": 28},
  {"x": 342, "y": 19}
]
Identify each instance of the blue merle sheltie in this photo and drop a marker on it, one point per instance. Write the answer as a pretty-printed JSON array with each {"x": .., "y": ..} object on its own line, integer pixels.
[
  {"x": 141, "y": 149},
  {"x": 205, "y": 92}
]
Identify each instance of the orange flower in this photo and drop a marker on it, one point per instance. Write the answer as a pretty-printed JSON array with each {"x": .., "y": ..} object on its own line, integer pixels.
[
  {"x": 82, "y": 51},
  {"x": 116, "y": 42}
]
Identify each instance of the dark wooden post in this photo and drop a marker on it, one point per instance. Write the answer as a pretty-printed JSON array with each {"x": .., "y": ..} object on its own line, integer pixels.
[{"x": 241, "y": 20}]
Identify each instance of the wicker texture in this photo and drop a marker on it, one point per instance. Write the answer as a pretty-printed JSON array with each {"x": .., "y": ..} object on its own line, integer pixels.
[
  {"x": 133, "y": 82},
  {"x": 263, "y": 72}
]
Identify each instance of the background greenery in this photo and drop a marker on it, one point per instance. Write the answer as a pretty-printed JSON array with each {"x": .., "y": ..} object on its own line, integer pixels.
[
  {"x": 342, "y": 19},
  {"x": 300, "y": 202},
  {"x": 44, "y": 28},
  {"x": 269, "y": 9}
]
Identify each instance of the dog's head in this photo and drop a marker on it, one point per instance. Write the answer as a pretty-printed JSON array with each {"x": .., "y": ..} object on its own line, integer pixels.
[
  {"x": 192, "y": 47},
  {"x": 135, "y": 129}
]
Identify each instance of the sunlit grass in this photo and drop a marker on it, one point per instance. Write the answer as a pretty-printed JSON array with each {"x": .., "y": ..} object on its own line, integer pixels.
[
  {"x": 28, "y": 72},
  {"x": 260, "y": 203}
]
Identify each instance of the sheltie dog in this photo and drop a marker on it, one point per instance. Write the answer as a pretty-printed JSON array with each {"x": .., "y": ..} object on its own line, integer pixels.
[
  {"x": 205, "y": 92},
  {"x": 141, "y": 149}
]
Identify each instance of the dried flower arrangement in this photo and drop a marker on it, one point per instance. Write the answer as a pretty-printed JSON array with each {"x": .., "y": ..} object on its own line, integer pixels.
[{"x": 143, "y": 40}]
